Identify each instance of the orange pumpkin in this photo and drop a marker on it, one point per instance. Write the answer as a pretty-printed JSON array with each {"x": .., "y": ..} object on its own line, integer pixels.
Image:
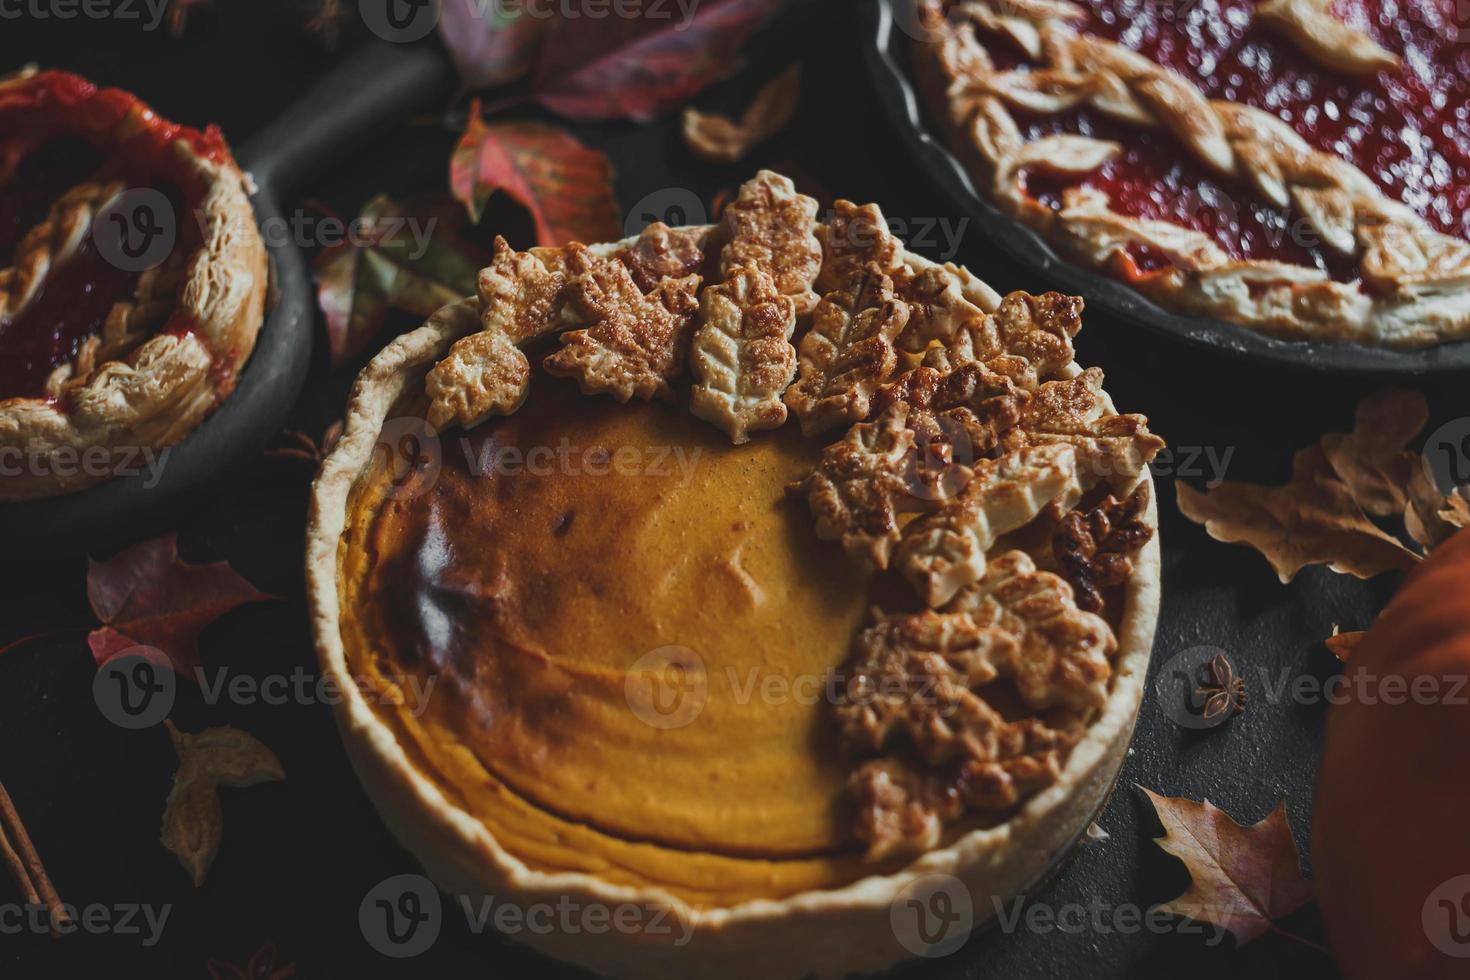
[{"x": 1391, "y": 829}]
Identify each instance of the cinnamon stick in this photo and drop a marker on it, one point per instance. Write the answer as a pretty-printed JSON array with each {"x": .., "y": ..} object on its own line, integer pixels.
[{"x": 25, "y": 864}]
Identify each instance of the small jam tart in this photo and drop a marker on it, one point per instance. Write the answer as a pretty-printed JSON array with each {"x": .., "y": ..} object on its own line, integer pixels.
[
  {"x": 132, "y": 280},
  {"x": 1299, "y": 166},
  {"x": 748, "y": 682}
]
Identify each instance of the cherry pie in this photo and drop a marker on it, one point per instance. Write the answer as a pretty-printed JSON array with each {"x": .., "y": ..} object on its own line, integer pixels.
[
  {"x": 1298, "y": 166},
  {"x": 132, "y": 281}
]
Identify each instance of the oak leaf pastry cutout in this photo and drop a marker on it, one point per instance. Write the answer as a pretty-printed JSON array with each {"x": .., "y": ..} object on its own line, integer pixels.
[
  {"x": 849, "y": 350},
  {"x": 855, "y": 238},
  {"x": 772, "y": 227}
]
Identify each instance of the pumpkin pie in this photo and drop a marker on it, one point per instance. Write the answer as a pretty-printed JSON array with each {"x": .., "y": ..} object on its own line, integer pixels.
[
  {"x": 804, "y": 571},
  {"x": 132, "y": 281}
]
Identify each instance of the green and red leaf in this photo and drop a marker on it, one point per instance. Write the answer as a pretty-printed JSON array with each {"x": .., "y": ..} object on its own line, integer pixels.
[{"x": 567, "y": 187}]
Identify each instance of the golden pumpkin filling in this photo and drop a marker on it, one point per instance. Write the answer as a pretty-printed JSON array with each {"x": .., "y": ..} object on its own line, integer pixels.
[{"x": 555, "y": 554}]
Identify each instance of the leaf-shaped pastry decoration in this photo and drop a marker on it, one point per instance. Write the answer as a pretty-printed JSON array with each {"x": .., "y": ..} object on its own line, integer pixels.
[
  {"x": 566, "y": 186},
  {"x": 720, "y": 139},
  {"x": 1241, "y": 878},
  {"x": 639, "y": 67},
  {"x": 412, "y": 261},
  {"x": 1311, "y": 520},
  {"x": 193, "y": 817},
  {"x": 145, "y": 596}
]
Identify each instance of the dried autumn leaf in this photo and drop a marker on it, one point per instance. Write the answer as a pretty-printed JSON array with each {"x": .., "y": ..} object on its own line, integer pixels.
[
  {"x": 491, "y": 43},
  {"x": 1432, "y": 517},
  {"x": 1241, "y": 878},
  {"x": 145, "y": 596},
  {"x": 1343, "y": 644},
  {"x": 193, "y": 817},
  {"x": 1373, "y": 460},
  {"x": 720, "y": 139},
  {"x": 1311, "y": 520},
  {"x": 639, "y": 67},
  {"x": 411, "y": 260},
  {"x": 566, "y": 186}
]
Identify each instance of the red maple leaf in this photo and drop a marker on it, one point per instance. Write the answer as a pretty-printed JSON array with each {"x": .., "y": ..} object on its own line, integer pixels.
[
  {"x": 566, "y": 186},
  {"x": 145, "y": 596},
  {"x": 639, "y": 67}
]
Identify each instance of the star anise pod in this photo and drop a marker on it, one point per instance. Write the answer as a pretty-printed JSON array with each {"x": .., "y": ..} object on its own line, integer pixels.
[{"x": 1223, "y": 693}]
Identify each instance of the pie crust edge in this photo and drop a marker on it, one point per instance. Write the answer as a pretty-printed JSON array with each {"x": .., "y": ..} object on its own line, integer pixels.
[{"x": 768, "y": 937}]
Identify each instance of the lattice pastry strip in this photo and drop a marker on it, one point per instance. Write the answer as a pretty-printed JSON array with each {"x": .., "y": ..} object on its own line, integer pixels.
[{"x": 52, "y": 242}]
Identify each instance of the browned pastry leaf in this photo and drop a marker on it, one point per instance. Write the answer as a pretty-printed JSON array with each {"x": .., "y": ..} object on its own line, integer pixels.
[
  {"x": 742, "y": 354},
  {"x": 941, "y": 553},
  {"x": 854, "y": 239},
  {"x": 1311, "y": 520},
  {"x": 848, "y": 352},
  {"x": 1028, "y": 338},
  {"x": 1373, "y": 460},
  {"x": 635, "y": 344},
  {"x": 1110, "y": 449},
  {"x": 1095, "y": 548},
  {"x": 861, "y": 485},
  {"x": 720, "y": 139},
  {"x": 772, "y": 227},
  {"x": 660, "y": 253},
  {"x": 940, "y": 308},
  {"x": 193, "y": 819}
]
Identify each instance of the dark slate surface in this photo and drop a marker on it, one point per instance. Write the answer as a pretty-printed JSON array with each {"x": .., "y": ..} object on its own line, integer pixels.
[{"x": 298, "y": 857}]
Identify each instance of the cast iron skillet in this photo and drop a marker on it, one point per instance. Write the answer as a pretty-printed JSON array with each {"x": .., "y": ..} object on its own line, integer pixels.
[
  {"x": 380, "y": 83},
  {"x": 886, "y": 59}
]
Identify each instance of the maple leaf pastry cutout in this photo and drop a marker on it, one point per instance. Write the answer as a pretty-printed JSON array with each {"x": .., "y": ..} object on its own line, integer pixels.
[
  {"x": 635, "y": 345},
  {"x": 854, "y": 238}
]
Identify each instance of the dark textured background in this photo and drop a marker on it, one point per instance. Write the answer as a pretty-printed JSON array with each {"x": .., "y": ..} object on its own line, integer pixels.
[{"x": 298, "y": 856}]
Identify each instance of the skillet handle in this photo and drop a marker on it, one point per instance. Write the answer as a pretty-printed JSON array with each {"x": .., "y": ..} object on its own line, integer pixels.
[{"x": 379, "y": 84}]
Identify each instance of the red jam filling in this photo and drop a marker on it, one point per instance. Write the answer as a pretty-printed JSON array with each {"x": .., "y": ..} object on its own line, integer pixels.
[
  {"x": 60, "y": 131},
  {"x": 1408, "y": 129}
]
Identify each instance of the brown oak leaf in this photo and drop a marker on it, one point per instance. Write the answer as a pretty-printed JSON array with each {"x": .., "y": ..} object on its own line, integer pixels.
[
  {"x": 1242, "y": 878},
  {"x": 146, "y": 596},
  {"x": 193, "y": 817},
  {"x": 1373, "y": 459},
  {"x": 720, "y": 139},
  {"x": 1432, "y": 517},
  {"x": 566, "y": 186},
  {"x": 1311, "y": 520}
]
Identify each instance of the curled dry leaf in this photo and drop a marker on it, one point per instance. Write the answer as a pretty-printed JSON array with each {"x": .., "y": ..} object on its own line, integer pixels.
[
  {"x": 1431, "y": 517},
  {"x": 1241, "y": 878},
  {"x": 145, "y": 596},
  {"x": 193, "y": 817},
  {"x": 410, "y": 259},
  {"x": 567, "y": 187},
  {"x": 491, "y": 43},
  {"x": 720, "y": 139},
  {"x": 1311, "y": 520},
  {"x": 1343, "y": 644},
  {"x": 1373, "y": 460}
]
